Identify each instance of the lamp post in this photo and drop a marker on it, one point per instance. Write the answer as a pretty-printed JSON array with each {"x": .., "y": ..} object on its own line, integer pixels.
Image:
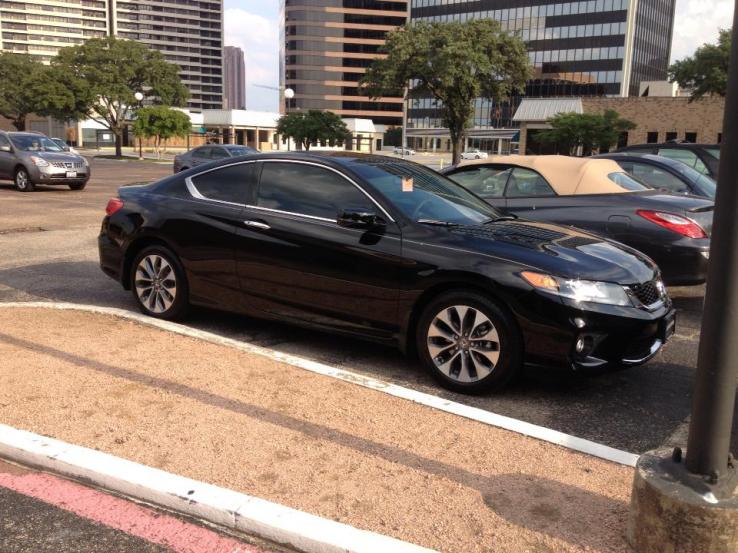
[
  {"x": 288, "y": 95},
  {"x": 139, "y": 98}
]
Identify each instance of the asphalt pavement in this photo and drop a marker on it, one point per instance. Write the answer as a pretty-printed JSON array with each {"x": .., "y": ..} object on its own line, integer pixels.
[{"x": 48, "y": 251}]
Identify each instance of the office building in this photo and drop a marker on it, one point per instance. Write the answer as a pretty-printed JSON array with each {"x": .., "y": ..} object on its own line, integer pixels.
[
  {"x": 188, "y": 33},
  {"x": 327, "y": 46},
  {"x": 578, "y": 48},
  {"x": 234, "y": 78}
]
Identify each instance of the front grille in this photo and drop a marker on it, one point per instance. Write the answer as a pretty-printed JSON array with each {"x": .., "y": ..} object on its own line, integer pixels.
[
  {"x": 68, "y": 164},
  {"x": 647, "y": 293}
]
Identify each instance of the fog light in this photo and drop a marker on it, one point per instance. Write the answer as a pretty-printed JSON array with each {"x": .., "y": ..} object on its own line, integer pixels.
[
  {"x": 579, "y": 322},
  {"x": 580, "y": 345}
]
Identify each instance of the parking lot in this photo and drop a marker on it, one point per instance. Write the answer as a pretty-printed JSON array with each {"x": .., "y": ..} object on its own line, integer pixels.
[{"x": 48, "y": 252}]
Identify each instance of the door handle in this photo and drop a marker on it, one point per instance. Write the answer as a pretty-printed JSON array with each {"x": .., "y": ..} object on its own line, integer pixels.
[{"x": 256, "y": 224}]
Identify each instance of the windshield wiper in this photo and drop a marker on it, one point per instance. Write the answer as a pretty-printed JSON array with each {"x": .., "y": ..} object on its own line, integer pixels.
[
  {"x": 500, "y": 218},
  {"x": 437, "y": 223}
]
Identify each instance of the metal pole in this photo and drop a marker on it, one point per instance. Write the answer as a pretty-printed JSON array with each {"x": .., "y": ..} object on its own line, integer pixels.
[
  {"x": 404, "y": 121},
  {"x": 717, "y": 365}
]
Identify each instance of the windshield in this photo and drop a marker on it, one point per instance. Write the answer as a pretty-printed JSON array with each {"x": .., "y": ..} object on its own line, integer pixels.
[
  {"x": 705, "y": 183},
  {"x": 34, "y": 143},
  {"x": 422, "y": 194},
  {"x": 714, "y": 152}
]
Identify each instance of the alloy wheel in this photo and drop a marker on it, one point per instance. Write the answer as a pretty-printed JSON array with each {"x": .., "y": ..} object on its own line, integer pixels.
[
  {"x": 463, "y": 343},
  {"x": 156, "y": 283},
  {"x": 21, "y": 179}
]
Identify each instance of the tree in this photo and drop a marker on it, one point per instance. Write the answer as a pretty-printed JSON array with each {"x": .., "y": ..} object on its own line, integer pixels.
[
  {"x": 103, "y": 76},
  {"x": 706, "y": 72},
  {"x": 570, "y": 131},
  {"x": 453, "y": 62},
  {"x": 161, "y": 123},
  {"x": 27, "y": 88},
  {"x": 313, "y": 126}
]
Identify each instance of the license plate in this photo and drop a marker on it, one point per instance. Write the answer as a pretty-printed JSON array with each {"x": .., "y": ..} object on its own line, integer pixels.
[
  {"x": 668, "y": 326},
  {"x": 71, "y": 174}
]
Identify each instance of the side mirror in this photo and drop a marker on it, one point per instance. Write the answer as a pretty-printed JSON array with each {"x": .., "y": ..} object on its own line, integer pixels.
[
  {"x": 5, "y": 149},
  {"x": 359, "y": 219}
]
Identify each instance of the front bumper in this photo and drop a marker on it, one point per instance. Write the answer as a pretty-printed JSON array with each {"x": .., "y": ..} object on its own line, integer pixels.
[
  {"x": 562, "y": 333},
  {"x": 59, "y": 175}
]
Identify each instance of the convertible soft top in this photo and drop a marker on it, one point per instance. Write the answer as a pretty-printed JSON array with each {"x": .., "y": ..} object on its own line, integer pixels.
[{"x": 566, "y": 175}]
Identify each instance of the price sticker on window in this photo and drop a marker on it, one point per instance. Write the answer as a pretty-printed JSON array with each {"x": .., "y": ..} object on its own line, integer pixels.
[{"x": 407, "y": 184}]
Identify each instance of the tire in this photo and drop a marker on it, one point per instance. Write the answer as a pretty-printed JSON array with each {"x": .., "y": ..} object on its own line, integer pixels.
[
  {"x": 171, "y": 301},
  {"x": 78, "y": 186},
  {"x": 452, "y": 358},
  {"x": 22, "y": 180}
]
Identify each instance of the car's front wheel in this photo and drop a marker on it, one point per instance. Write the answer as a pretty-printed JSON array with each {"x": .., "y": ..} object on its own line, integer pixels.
[
  {"x": 468, "y": 343},
  {"x": 23, "y": 180},
  {"x": 159, "y": 284}
]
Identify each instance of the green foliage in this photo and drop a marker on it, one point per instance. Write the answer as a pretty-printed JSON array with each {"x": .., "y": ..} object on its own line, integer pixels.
[
  {"x": 705, "y": 72},
  {"x": 453, "y": 62},
  {"x": 313, "y": 126},
  {"x": 393, "y": 137},
  {"x": 161, "y": 123},
  {"x": 591, "y": 131},
  {"x": 26, "y": 88},
  {"x": 103, "y": 75}
]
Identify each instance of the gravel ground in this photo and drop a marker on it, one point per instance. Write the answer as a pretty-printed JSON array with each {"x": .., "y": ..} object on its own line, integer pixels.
[{"x": 328, "y": 447}]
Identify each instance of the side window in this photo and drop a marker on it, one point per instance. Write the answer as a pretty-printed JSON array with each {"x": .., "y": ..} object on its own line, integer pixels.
[
  {"x": 687, "y": 157},
  {"x": 484, "y": 180},
  {"x": 218, "y": 153},
  {"x": 527, "y": 183},
  {"x": 229, "y": 184},
  {"x": 203, "y": 152},
  {"x": 308, "y": 190},
  {"x": 658, "y": 178}
]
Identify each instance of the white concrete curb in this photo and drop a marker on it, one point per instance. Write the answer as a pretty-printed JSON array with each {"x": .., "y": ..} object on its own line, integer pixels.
[
  {"x": 226, "y": 508},
  {"x": 480, "y": 415}
]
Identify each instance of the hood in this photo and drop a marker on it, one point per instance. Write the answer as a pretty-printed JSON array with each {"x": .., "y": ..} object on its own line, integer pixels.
[
  {"x": 560, "y": 251},
  {"x": 57, "y": 156}
]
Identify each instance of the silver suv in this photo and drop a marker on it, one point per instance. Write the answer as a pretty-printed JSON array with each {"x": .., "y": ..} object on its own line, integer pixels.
[{"x": 31, "y": 158}]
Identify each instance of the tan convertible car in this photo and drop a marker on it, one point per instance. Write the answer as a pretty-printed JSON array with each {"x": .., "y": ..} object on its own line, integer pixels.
[{"x": 598, "y": 196}]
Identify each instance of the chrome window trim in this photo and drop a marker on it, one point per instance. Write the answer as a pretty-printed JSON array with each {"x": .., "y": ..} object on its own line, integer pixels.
[
  {"x": 195, "y": 193},
  {"x": 280, "y": 212}
]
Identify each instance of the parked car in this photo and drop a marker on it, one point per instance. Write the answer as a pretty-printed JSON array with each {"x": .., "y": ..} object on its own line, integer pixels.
[
  {"x": 209, "y": 152},
  {"x": 665, "y": 174},
  {"x": 598, "y": 196},
  {"x": 388, "y": 250},
  {"x": 704, "y": 158},
  {"x": 31, "y": 158},
  {"x": 404, "y": 151},
  {"x": 64, "y": 146},
  {"x": 474, "y": 154}
]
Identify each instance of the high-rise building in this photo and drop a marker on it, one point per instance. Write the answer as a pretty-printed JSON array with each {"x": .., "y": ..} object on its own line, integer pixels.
[
  {"x": 327, "y": 46},
  {"x": 577, "y": 48},
  {"x": 234, "y": 78},
  {"x": 188, "y": 33}
]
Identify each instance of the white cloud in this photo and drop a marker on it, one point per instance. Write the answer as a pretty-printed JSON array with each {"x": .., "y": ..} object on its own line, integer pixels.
[
  {"x": 258, "y": 37},
  {"x": 697, "y": 22}
]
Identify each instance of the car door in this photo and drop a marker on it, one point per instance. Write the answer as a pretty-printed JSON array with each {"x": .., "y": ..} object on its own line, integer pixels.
[
  {"x": 656, "y": 177},
  {"x": 295, "y": 262},
  {"x": 204, "y": 231},
  {"x": 486, "y": 181},
  {"x": 7, "y": 158}
]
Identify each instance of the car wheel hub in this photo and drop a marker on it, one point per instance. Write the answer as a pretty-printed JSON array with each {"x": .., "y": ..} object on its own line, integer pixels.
[
  {"x": 463, "y": 343},
  {"x": 156, "y": 283}
]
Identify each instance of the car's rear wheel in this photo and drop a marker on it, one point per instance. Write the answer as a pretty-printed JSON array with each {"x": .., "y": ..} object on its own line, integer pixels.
[
  {"x": 78, "y": 186},
  {"x": 468, "y": 343},
  {"x": 159, "y": 284},
  {"x": 23, "y": 180}
]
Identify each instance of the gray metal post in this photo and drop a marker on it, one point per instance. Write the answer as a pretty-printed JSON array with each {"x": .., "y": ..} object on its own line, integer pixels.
[{"x": 717, "y": 365}]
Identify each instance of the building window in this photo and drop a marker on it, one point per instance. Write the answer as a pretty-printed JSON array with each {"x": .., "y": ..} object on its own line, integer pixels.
[
  {"x": 720, "y": 138},
  {"x": 671, "y": 136},
  {"x": 690, "y": 137},
  {"x": 623, "y": 139},
  {"x": 652, "y": 137}
]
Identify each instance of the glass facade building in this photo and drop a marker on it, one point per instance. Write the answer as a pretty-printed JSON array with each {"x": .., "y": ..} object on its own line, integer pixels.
[
  {"x": 327, "y": 46},
  {"x": 578, "y": 48}
]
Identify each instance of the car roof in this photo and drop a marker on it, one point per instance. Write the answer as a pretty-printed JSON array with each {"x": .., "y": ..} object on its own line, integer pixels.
[
  {"x": 669, "y": 144},
  {"x": 566, "y": 175}
]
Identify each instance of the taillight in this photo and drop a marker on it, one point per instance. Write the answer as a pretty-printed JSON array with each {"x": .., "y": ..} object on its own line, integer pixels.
[
  {"x": 114, "y": 204},
  {"x": 676, "y": 223}
]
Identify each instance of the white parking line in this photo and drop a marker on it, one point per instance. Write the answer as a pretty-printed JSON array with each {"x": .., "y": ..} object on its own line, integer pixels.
[{"x": 480, "y": 415}]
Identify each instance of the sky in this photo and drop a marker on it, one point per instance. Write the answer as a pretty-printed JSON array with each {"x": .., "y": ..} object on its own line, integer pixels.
[{"x": 253, "y": 25}]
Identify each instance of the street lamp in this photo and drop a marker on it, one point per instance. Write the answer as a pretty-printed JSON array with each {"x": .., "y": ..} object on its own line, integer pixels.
[{"x": 139, "y": 98}]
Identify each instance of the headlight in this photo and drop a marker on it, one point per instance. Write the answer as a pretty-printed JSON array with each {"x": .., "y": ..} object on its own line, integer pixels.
[
  {"x": 84, "y": 160},
  {"x": 579, "y": 290},
  {"x": 39, "y": 161}
]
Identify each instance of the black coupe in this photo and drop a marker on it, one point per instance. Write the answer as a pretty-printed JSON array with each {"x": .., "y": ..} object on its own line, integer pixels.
[{"x": 388, "y": 250}]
